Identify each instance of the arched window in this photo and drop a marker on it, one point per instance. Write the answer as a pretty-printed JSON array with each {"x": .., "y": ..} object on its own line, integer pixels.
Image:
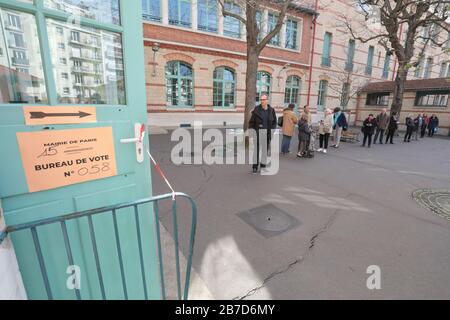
[
  {"x": 179, "y": 84},
  {"x": 263, "y": 80},
  {"x": 322, "y": 96},
  {"x": 292, "y": 90},
  {"x": 224, "y": 87}
]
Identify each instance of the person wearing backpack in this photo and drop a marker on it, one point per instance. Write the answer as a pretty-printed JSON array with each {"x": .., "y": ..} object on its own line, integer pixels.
[
  {"x": 287, "y": 122},
  {"x": 339, "y": 124}
]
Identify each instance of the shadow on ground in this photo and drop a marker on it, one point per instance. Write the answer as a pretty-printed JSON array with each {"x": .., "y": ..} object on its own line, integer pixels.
[{"x": 354, "y": 208}]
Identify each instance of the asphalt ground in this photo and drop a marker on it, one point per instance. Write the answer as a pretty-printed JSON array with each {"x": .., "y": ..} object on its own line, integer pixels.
[{"x": 354, "y": 209}]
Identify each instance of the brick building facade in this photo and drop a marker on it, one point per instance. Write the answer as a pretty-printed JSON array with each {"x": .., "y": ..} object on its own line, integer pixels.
[
  {"x": 324, "y": 69},
  {"x": 206, "y": 52}
]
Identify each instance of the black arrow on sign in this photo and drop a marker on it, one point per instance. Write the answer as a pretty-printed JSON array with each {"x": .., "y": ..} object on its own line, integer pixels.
[{"x": 42, "y": 115}]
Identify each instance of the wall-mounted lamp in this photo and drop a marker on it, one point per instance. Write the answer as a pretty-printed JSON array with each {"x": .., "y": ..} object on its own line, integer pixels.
[
  {"x": 155, "y": 49},
  {"x": 287, "y": 65}
]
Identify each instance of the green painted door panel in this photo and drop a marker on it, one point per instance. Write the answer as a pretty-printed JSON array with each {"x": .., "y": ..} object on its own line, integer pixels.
[{"x": 132, "y": 182}]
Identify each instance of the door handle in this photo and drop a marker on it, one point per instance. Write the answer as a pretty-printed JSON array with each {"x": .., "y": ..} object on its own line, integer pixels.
[{"x": 139, "y": 134}]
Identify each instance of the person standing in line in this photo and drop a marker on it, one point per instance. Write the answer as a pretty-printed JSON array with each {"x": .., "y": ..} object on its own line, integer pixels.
[
  {"x": 304, "y": 132},
  {"x": 339, "y": 125},
  {"x": 325, "y": 130},
  {"x": 382, "y": 124},
  {"x": 425, "y": 122},
  {"x": 432, "y": 125},
  {"x": 392, "y": 128},
  {"x": 409, "y": 128},
  {"x": 307, "y": 112},
  {"x": 263, "y": 118},
  {"x": 368, "y": 129},
  {"x": 417, "y": 125},
  {"x": 289, "y": 122}
]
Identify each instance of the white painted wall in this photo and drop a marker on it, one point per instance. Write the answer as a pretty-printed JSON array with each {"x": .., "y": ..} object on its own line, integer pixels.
[{"x": 11, "y": 286}]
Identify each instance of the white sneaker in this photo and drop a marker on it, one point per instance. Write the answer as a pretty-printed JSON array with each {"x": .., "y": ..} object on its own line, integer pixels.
[
  {"x": 319, "y": 150},
  {"x": 324, "y": 150}
]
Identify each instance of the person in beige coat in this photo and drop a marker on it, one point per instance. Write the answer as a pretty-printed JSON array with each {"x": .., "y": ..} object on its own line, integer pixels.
[
  {"x": 325, "y": 130},
  {"x": 289, "y": 122}
]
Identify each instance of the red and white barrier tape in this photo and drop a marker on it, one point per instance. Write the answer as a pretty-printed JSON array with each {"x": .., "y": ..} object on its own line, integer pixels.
[{"x": 162, "y": 174}]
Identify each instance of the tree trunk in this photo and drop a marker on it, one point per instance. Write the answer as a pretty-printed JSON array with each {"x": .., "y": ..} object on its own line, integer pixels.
[
  {"x": 250, "y": 87},
  {"x": 399, "y": 90}
]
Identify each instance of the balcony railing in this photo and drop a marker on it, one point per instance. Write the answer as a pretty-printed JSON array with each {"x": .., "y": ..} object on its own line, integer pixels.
[{"x": 20, "y": 61}]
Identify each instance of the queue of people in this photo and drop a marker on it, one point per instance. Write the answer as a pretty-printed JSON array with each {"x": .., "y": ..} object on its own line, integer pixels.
[
  {"x": 383, "y": 126},
  {"x": 389, "y": 124}
]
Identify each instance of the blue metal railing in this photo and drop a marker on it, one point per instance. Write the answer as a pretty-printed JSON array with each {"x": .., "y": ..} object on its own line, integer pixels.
[{"x": 33, "y": 228}]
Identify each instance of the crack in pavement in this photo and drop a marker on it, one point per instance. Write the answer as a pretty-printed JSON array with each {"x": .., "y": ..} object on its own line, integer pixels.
[{"x": 299, "y": 260}]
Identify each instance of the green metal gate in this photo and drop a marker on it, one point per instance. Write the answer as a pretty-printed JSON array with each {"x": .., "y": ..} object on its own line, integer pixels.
[{"x": 86, "y": 219}]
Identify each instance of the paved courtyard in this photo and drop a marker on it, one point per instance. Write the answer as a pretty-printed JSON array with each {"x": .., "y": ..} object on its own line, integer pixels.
[{"x": 354, "y": 208}]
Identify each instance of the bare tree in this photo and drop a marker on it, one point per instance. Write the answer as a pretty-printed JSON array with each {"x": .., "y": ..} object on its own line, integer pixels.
[
  {"x": 256, "y": 40},
  {"x": 396, "y": 17},
  {"x": 346, "y": 82}
]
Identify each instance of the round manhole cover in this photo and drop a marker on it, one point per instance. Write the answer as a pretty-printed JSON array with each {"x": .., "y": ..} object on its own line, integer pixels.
[
  {"x": 273, "y": 222},
  {"x": 438, "y": 201}
]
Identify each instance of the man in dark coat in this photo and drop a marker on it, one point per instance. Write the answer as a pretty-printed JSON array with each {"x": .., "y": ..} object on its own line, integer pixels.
[
  {"x": 368, "y": 129},
  {"x": 392, "y": 127},
  {"x": 409, "y": 128},
  {"x": 263, "y": 118},
  {"x": 432, "y": 125}
]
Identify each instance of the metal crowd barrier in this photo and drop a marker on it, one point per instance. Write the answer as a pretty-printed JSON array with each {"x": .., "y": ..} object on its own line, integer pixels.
[{"x": 34, "y": 226}]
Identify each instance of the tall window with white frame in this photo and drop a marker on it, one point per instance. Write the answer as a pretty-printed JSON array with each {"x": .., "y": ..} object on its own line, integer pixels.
[
  {"x": 443, "y": 70},
  {"x": 180, "y": 13},
  {"x": 260, "y": 23},
  {"x": 350, "y": 55},
  {"x": 232, "y": 26},
  {"x": 322, "y": 95},
  {"x": 151, "y": 10},
  {"x": 207, "y": 15},
  {"x": 263, "y": 84},
  {"x": 292, "y": 90},
  {"x": 428, "y": 68},
  {"x": 224, "y": 87},
  {"x": 179, "y": 84},
  {"x": 326, "y": 51},
  {"x": 370, "y": 60},
  {"x": 419, "y": 68},
  {"x": 271, "y": 23},
  {"x": 291, "y": 34}
]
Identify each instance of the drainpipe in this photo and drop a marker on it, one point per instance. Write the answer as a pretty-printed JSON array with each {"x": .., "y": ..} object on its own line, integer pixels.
[
  {"x": 312, "y": 50},
  {"x": 395, "y": 62}
]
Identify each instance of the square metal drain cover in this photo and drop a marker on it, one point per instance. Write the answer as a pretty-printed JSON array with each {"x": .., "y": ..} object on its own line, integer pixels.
[{"x": 269, "y": 220}]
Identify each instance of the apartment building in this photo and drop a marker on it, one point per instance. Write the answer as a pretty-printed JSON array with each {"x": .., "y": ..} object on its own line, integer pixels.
[
  {"x": 327, "y": 70},
  {"x": 199, "y": 62},
  {"x": 343, "y": 68},
  {"x": 20, "y": 59}
]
